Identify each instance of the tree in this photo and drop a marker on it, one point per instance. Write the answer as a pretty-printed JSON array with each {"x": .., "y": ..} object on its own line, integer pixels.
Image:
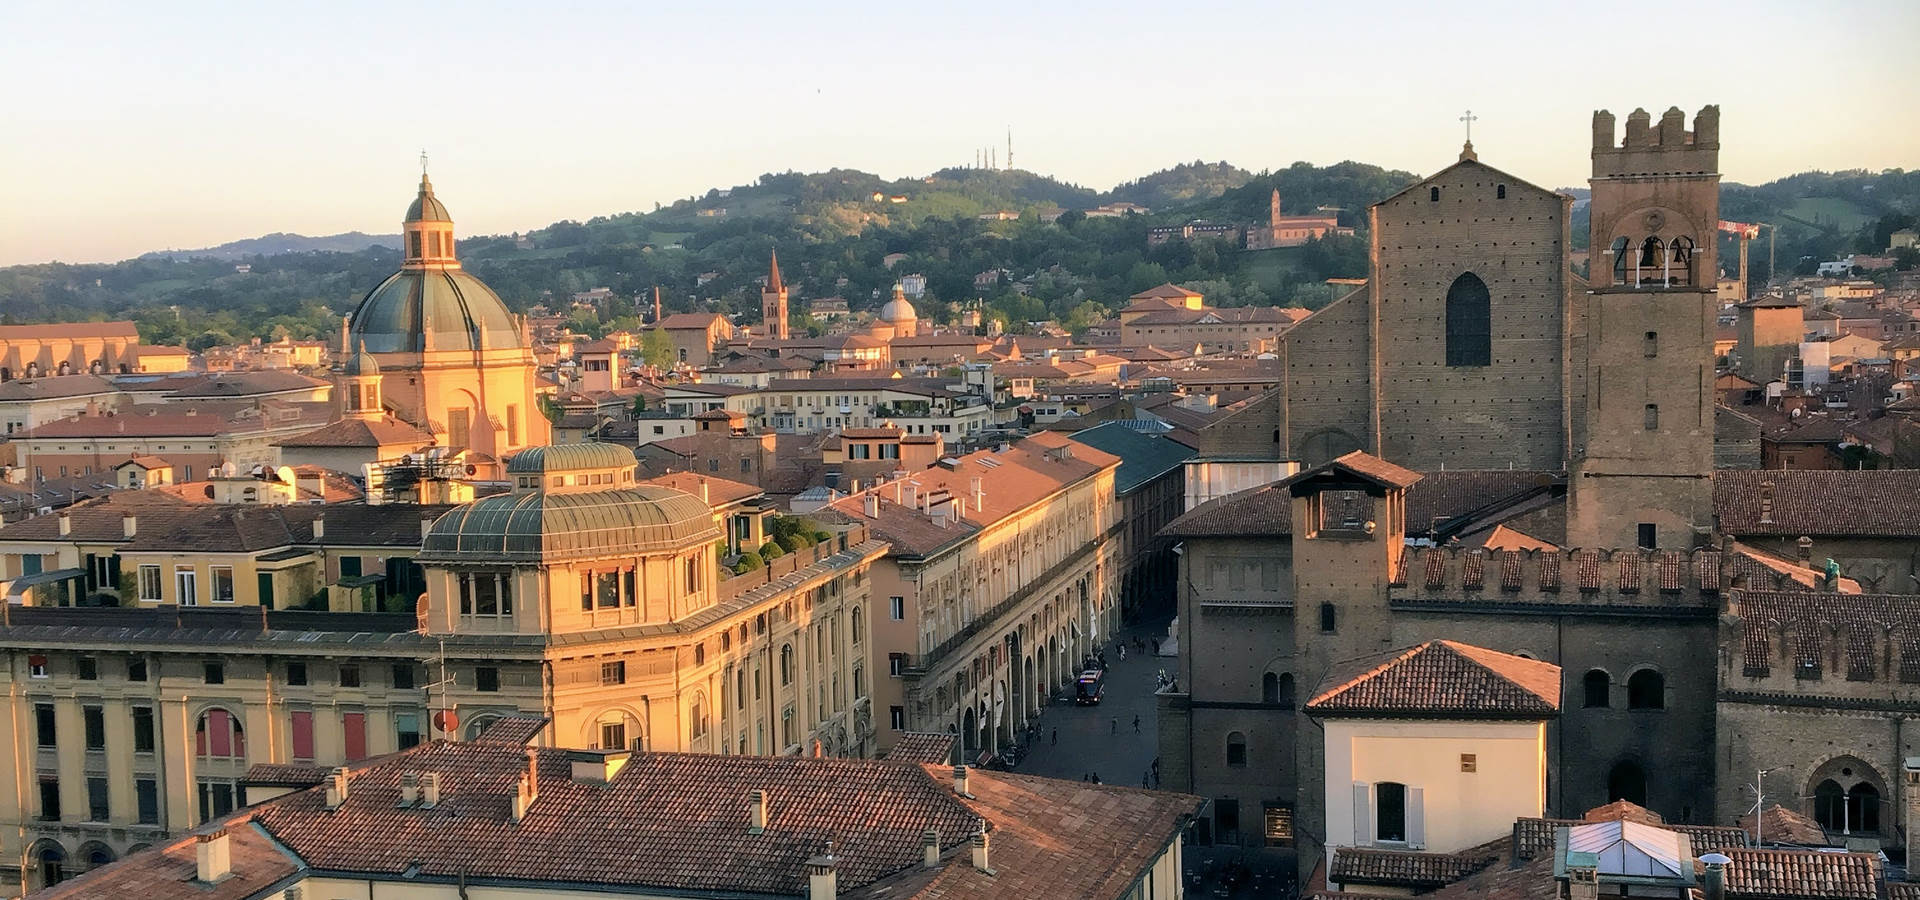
[{"x": 656, "y": 349}]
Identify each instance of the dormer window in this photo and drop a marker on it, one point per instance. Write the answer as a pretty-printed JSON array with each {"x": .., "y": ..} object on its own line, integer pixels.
[{"x": 1346, "y": 513}]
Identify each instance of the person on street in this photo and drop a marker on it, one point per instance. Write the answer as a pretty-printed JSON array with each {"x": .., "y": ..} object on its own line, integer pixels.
[
  {"x": 1056, "y": 737},
  {"x": 1116, "y": 726},
  {"x": 1136, "y": 723}
]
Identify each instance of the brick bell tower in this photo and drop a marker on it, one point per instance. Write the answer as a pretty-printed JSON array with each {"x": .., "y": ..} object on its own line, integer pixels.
[
  {"x": 1642, "y": 465},
  {"x": 773, "y": 302}
]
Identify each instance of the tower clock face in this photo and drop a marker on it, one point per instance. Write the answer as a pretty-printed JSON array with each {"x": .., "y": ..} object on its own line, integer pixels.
[{"x": 1655, "y": 219}]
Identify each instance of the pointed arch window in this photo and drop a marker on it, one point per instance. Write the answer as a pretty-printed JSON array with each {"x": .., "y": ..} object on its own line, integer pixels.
[
  {"x": 1619, "y": 252},
  {"x": 1469, "y": 322}
]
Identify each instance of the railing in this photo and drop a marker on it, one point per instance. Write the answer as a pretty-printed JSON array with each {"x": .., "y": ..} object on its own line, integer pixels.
[
  {"x": 931, "y": 658},
  {"x": 789, "y": 563}
]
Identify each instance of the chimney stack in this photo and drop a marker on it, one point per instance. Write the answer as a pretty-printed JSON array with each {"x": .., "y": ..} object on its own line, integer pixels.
[
  {"x": 430, "y": 790},
  {"x": 1583, "y": 882},
  {"x": 128, "y": 525},
  {"x": 1805, "y": 545},
  {"x": 705, "y": 494},
  {"x": 1766, "y": 503},
  {"x": 960, "y": 781},
  {"x": 529, "y": 787},
  {"x": 823, "y": 880},
  {"x": 872, "y": 505},
  {"x": 979, "y": 493},
  {"x": 980, "y": 841},
  {"x": 337, "y": 787},
  {"x": 409, "y": 790},
  {"x": 1716, "y": 875},
  {"x": 66, "y": 524},
  {"x": 319, "y": 525},
  {"x": 930, "y": 848},
  {"x": 756, "y": 812},
  {"x": 213, "y": 857}
]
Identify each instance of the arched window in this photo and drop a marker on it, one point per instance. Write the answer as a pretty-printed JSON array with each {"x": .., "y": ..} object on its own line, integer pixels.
[
  {"x": 1500, "y": 192},
  {"x": 1627, "y": 782},
  {"x": 53, "y": 863},
  {"x": 219, "y": 736},
  {"x": 1236, "y": 748},
  {"x": 1270, "y": 688},
  {"x": 859, "y": 627},
  {"x": 1328, "y": 618},
  {"x": 1653, "y": 255},
  {"x": 1680, "y": 261},
  {"x": 1433, "y": 194},
  {"x": 1390, "y": 802},
  {"x": 1597, "y": 685},
  {"x": 700, "y": 716},
  {"x": 1286, "y": 690},
  {"x": 1469, "y": 322},
  {"x": 1647, "y": 689},
  {"x": 786, "y": 664},
  {"x": 1863, "y": 808},
  {"x": 1829, "y": 805}
]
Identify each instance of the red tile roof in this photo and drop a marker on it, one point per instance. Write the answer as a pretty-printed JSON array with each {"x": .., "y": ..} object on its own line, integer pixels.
[
  {"x": 1405, "y": 868},
  {"x": 361, "y": 433},
  {"x": 1868, "y": 503},
  {"x": 1779, "y": 825},
  {"x": 1440, "y": 679},
  {"x": 928, "y": 747},
  {"x": 1802, "y": 875},
  {"x": 169, "y": 870}
]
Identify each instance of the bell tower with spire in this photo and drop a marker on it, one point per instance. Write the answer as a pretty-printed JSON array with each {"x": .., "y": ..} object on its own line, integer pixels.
[{"x": 773, "y": 302}]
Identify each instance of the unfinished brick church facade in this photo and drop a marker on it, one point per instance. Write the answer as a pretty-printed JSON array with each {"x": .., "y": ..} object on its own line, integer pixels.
[{"x": 1476, "y": 381}]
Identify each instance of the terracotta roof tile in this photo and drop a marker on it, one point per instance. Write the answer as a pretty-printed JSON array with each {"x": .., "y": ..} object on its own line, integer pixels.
[
  {"x": 1871, "y": 502},
  {"x": 1441, "y": 679},
  {"x": 167, "y": 871},
  {"x": 1801, "y": 875},
  {"x": 1803, "y": 622},
  {"x": 1403, "y": 868},
  {"x": 929, "y": 747},
  {"x": 1779, "y": 825}
]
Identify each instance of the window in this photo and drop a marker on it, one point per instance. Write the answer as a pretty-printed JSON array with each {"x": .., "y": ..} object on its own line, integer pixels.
[
  {"x": 896, "y": 608},
  {"x": 1653, "y": 417},
  {"x": 87, "y": 668},
  {"x": 221, "y": 578},
  {"x": 93, "y": 720},
  {"x": 859, "y": 682},
  {"x": 513, "y": 425},
  {"x": 219, "y": 736},
  {"x": 296, "y": 673},
  {"x": 896, "y": 664},
  {"x": 1433, "y": 194},
  {"x": 486, "y": 679},
  {"x": 97, "y": 798},
  {"x": 1646, "y": 689},
  {"x": 46, "y": 735},
  {"x": 301, "y": 725},
  {"x": 613, "y": 672},
  {"x": 214, "y": 672},
  {"x": 354, "y": 726},
  {"x": 897, "y": 718},
  {"x": 1469, "y": 322},
  {"x": 1652, "y": 344},
  {"x": 350, "y": 567},
  {"x": 403, "y": 676},
  {"x": 1648, "y": 536},
  {"x": 786, "y": 664},
  {"x": 1596, "y": 686},
  {"x": 1279, "y": 825},
  {"x": 613, "y": 735},
  {"x": 459, "y": 423},
  {"x": 859, "y": 627},
  {"x": 1236, "y": 748},
  {"x": 146, "y": 795},
  {"x": 487, "y": 594},
  {"x": 183, "y": 587},
  {"x": 143, "y": 729},
  {"x": 136, "y": 670},
  {"x": 1390, "y": 817},
  {"x": 1327, "y": 618},
  {"x": 349, "y": 676},
  {"x": 49, "y": 798},
  {"x": 1226, "y": 820},
  {"x": 406, "y": 729},
  {"x": 1500, "y": 192},
  {"x": 36, "y": 666},
  {"x": 217, "y": 797}
]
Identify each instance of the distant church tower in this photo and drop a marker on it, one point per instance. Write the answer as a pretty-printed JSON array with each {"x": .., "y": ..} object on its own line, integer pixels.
[
  {"x": 1643, "y": 454},
  {"x": 773, "y": 302}
]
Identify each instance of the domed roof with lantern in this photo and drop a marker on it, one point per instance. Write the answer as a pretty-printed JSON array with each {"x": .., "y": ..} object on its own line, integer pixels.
[{"x": 431, "y": 303}]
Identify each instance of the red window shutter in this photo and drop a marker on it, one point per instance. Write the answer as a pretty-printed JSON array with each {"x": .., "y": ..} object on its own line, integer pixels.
[
  {"x": 303, "y": 736},
  {"x": 356, "y": 728},
  {"x": 219, "y": 734}
]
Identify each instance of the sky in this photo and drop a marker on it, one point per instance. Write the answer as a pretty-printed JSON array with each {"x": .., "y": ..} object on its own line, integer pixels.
[{"x": 142, "y": 126}]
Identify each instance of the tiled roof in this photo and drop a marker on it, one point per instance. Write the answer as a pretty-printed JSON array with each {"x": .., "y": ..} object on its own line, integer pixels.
[
  {"x": 291, "y": 775},
  {"x": 1440, "y": 679},
  {"x": 1623, "y": 811},
  {"x": 517, "y": 731},
  {"x": 169, "y": 870},
  {"x": 1809, "y": 621},
  {"x": 1779, "y": 825},
  {"x": 244, "y": 384},
  {"x": 1801, "y": 875},
  {"x": 360, "y": 433},
  {"x": 1266, "y": 511},
  {"x": 690, "y": 320},
  {"x": 720, "y": 491},
  {"x": 929, "y": 747},
  {"x": 1869, "y": 502},
  {"x": 1366, "y": 465},
  {"x": 1405, "y": 868},
  {"x": 54, "y": 386}
]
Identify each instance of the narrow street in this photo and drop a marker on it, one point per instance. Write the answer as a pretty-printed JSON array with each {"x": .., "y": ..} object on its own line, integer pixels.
[{"x": 1101, "y": 740}]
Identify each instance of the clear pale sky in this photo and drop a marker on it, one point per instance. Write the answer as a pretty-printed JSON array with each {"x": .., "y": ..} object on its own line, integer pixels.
[{"x": 143, "y": 126}]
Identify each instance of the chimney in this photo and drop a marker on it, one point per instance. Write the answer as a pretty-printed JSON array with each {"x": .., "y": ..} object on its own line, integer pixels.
[
  {"x": 1913, "y": 806},
  {"x": 979, "y": 492},
  {"x": 319, "y": 525},
  {"x": 128, "y": 525},
  {"x": 756, "y": 812},
  {"x": 960, "y": 781},
  {"x": 1716, "y": 875},
  {"x": 1805, "y": 545},
  {"x": 409, "y": 790},
  {"x": 823, "y": 880},
  {"x": 66, "y": 524},
  {"x": 529, "y": 787},
  {"x": 1583, "y": 882},
  {"x": 430, "y": 790},
  {"x": 980, "y": 841},
  {"x": 930, "y": 848},
  {"x": 212, "y": 856},
  {"x": 337, "y": 787},
  {"x": 705, "y": 495},
  {"x": 912, "y": 495},
  {"x": 872, "y": 505},
  {"x": 1766, "y": 503}
]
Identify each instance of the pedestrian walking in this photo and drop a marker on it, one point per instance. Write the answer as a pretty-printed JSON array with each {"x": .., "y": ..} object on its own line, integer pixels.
[
  {"x": 1056, "y": 738},
  {"x": 1096, "y": 778},
  {"x": 1143, "y": 778},
  {"x": 1136, "y": 723},
  {"x": 1156, "y": 646},
  {"x": 1116, "y": 726},
  {"x": 1123, "y": 652},
  {"x": 1156, "y": 778}
]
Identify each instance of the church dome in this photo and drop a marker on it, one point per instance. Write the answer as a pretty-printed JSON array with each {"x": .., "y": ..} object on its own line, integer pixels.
[
  {"x": 438, "y": 309},
  {"x": 898, "y": 310},
  {"x": 360, "y": 364},
  {"x": 542, "y": 526},
  {"x": 426, "y": 207}
]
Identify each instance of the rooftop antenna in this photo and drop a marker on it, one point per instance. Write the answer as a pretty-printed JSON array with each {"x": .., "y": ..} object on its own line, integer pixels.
[
  {"x": 1009, "y": 146},
  {"x": 423, "y": 163},
  {"x": 1760, "y": 801}
]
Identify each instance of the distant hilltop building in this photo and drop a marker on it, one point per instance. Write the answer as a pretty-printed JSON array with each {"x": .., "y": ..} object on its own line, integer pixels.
[{"x": 1292, "y": 231}]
